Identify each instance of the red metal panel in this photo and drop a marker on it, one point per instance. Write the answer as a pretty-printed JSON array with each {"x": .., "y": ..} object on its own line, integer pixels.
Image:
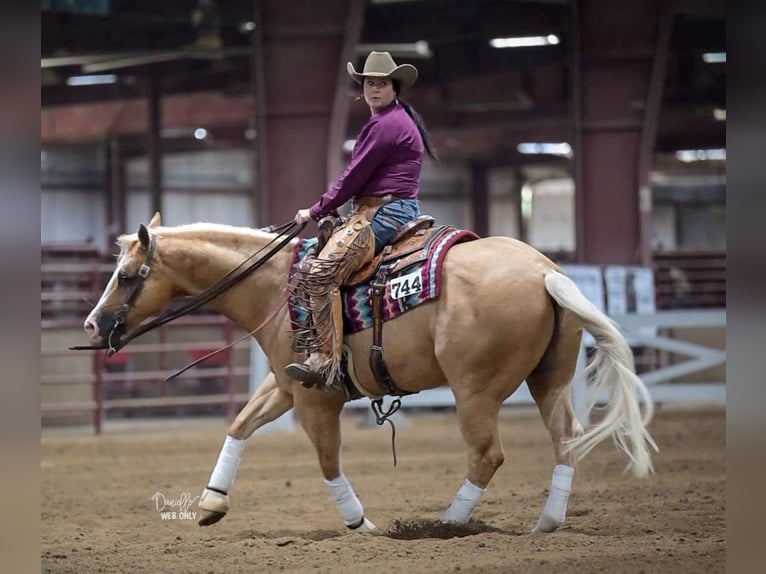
[
  {"x": 301, "y": 56},
  {"x": 296, "y": 164},
  {"x": 617, "y": 42},
  {"x": 610, "y": 193}
]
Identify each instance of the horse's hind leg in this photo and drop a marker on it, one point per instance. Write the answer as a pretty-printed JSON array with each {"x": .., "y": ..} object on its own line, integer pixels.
[
  {"x": 550, "y": 386},
  {"x": 267, "y": 404},
  {"x": 478, "y": 424}
]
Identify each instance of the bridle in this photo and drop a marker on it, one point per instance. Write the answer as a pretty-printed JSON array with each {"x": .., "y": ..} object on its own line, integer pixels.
[
  {"x": 116, "y": 339},
  {"x": 118, "y": 329}
]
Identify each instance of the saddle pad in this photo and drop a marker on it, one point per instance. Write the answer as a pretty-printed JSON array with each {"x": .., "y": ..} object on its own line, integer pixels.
[{"x": 357, "y": 303}]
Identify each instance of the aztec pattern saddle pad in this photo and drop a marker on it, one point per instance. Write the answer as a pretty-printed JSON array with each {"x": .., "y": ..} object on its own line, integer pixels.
[{"x": 406, "y": 289}]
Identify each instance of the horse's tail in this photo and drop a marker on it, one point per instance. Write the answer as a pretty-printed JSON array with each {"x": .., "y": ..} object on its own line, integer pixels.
[{"x": 612, "y": 369}]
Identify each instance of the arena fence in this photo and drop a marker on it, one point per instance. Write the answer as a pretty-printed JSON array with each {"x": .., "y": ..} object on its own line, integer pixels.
[
  {"x": 123, "y": 385},
  {"x": 668, "y": 375},
  {"x": 675, "y": 353},
  {"x": 132, "y": 383}
]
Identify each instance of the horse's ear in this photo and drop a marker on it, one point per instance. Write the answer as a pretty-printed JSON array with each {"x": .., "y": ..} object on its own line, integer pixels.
[
  {"x": 143, "y": 235},
  {"x": 156, "y": 220}
]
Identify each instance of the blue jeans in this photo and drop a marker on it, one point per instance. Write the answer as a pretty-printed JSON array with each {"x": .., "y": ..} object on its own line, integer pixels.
[{"x": 390, "y": 218}]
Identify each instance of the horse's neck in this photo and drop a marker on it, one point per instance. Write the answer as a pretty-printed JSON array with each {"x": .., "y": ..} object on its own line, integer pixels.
[{"x": 203, "y": 256}]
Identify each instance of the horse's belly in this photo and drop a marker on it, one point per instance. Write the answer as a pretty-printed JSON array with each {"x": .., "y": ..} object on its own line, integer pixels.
[{"x": 408, "y": 349}]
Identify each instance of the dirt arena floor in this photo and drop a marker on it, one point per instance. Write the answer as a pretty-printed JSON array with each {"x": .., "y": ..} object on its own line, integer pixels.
[{"x": 100, "y": 497}]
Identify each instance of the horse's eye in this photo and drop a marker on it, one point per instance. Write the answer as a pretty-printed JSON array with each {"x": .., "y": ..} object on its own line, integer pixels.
[{"x": 123, "y": 278}]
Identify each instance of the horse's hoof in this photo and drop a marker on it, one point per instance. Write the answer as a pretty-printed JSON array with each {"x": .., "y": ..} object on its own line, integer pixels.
[
  {"x": 211, "y": 518},
  {"x": 214, "y": 501},
  {"x": 366, "y": 527},
  {"x": 546, "y": 524}
]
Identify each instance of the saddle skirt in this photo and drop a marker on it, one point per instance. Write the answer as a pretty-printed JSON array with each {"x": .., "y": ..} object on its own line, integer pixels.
[{"x": 414, "y": 278}]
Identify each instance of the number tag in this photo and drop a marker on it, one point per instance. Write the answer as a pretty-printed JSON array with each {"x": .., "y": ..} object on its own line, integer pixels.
[{"x": 406, "y": 285}]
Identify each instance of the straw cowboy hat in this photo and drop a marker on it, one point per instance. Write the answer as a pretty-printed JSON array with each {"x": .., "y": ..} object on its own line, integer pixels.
[{"x": 382, "y": 65}]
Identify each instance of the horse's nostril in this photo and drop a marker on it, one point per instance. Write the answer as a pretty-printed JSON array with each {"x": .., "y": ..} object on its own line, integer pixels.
[{"x": 90, "y": 328}]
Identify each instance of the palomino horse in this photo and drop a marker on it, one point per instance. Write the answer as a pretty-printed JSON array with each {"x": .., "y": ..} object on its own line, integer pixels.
[{"x": 506, "y": 314}]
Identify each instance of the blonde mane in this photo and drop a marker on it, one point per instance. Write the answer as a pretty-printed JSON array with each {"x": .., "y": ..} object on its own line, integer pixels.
[{"x": 199, "y": 230}]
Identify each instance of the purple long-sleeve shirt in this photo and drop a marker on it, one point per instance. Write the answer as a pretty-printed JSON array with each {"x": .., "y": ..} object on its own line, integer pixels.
[{"x": 387, "y": 158}]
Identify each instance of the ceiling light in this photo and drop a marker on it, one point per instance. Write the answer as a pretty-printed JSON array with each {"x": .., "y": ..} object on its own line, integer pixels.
[
  {"x": 562, "y": 149},
  {"x": 200, "y": 133},
  {"x": 524, "y": 41},
  {"x": 419, "y": 49},
  {"x": 91, "y": 80},
  {"x": 245, "y": 27},
  {"x": 714, "y": 57},
  {"x": 690, "y": 155}
]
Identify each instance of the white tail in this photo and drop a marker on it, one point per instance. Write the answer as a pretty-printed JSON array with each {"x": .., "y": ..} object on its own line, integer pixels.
[{"x": 612, "y": 369}]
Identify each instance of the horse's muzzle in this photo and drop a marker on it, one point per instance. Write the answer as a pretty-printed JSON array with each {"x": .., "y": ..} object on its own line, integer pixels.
[{"x": 104, "y": 329}]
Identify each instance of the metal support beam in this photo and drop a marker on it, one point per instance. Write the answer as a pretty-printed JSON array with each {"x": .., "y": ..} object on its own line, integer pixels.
[
  {"x": 521, "y": 221},
  {"x": 300, "y": 74},
  {"x": 115, "y": 185},
  {"x": 154, "y": 143},
  {"x": 649, "y": 129},
  {"x": 342, "y": 101},
  {"x": 612, "y": 69},
  {"x": 258, "y": 83},
  {"x": 480, "y": 199}
]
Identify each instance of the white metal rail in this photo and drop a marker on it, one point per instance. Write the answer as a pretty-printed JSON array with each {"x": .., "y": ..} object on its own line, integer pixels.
[{"x": 663, "y": 382}]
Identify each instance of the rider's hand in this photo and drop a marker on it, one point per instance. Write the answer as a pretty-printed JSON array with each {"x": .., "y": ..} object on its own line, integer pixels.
[{"x": 302, "y": 216}]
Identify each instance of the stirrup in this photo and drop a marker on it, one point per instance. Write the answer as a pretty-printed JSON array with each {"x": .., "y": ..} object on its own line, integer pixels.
[
  {"x": 308, "y": 378},
  {"x": 302, "y": 373}
]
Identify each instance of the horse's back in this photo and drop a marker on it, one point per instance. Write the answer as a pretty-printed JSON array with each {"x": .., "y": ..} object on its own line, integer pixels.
[
  {"x": 505, "y": 254},
  {"x": 496, "y": 271}
]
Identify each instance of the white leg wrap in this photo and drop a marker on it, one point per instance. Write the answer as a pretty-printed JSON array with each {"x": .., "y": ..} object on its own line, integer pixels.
[
  {"x": 348, "y": 503},
  {"x": 228, "y": 462},
  {"x": 466, "y": 500},
  {"x": 558, "y": 496}
]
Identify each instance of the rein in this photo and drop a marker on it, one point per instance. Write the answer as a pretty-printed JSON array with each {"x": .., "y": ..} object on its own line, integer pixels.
[
  {"x": 222, "y": 285},
  {"x": 281, "y": 303}
]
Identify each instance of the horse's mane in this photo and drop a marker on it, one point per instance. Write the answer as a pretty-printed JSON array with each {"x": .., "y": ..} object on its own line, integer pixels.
[{"x": 199, "y": 230}]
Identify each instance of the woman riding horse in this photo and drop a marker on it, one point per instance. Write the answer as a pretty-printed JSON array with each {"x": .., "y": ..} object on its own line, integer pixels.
[
  {"x": 382, "y": 179},
  {"x": 505, "y": 314}
]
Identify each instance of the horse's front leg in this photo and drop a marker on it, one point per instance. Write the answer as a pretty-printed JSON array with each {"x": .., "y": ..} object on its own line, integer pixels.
[
  {"x": 319, "y": 414},
  {"x": 268, "y": 403}
]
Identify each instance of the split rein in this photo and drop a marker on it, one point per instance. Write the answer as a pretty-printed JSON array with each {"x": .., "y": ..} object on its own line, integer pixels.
[
  {"x": 222, "y": 285},
  {"x": 116, "y": 341}
]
